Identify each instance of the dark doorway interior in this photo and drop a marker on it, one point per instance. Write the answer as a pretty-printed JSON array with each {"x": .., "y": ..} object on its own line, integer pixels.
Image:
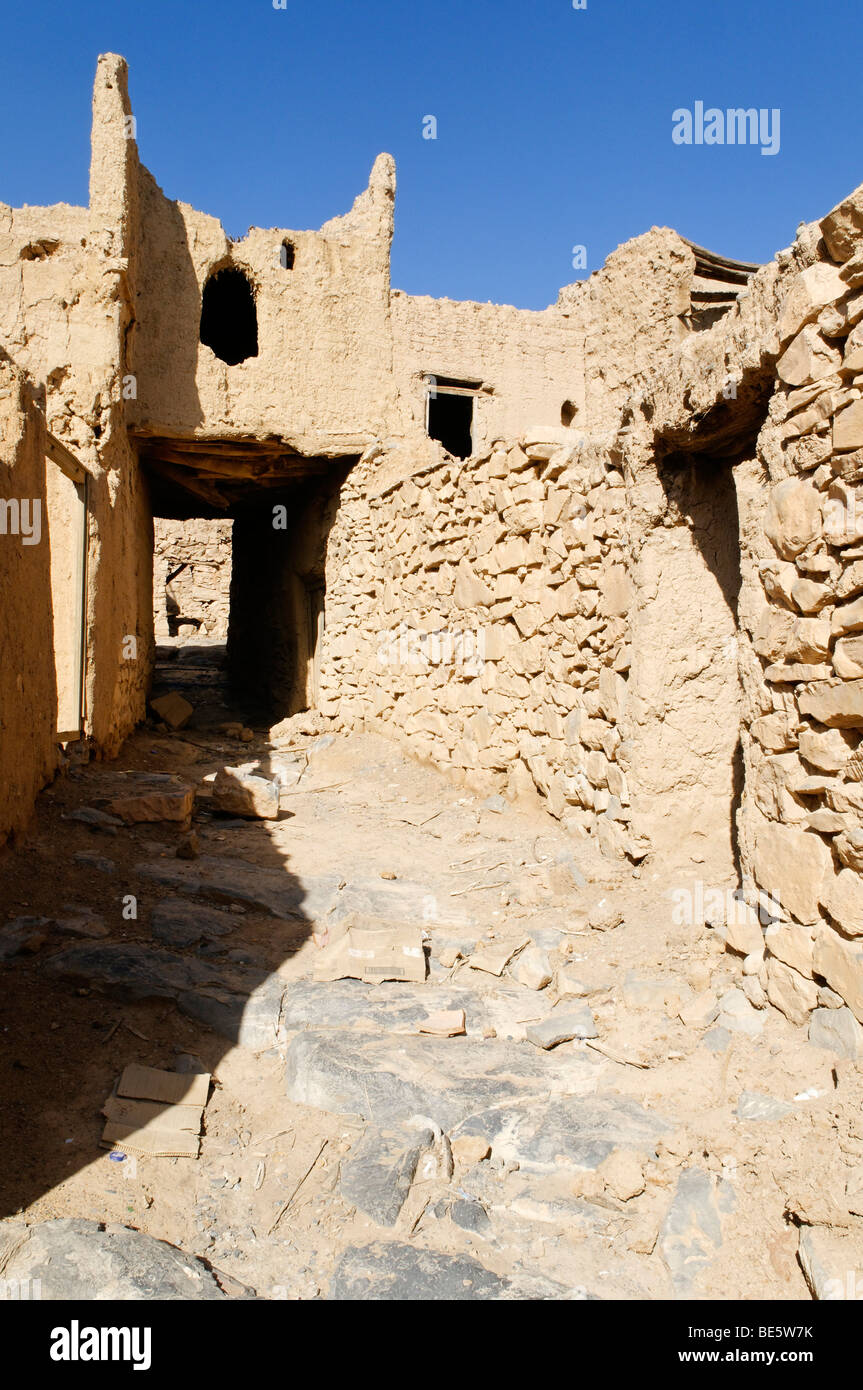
[
  {"x": 269, "y": 662},
  {"x": 278, "y": 595}
]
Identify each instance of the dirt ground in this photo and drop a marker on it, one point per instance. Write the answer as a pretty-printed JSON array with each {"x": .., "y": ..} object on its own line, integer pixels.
[{"x": 263, "y": 1202}]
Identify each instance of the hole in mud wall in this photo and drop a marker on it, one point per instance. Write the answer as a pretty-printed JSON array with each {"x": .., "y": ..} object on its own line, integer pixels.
[
  {"x": 450, "y": 421},
  {"x": 286, "y": 255},
  {"x": 278, "y": 596},
  {"x": 684, "y": 683},
  {"x": 567, "y": 413},
  {"x": 229, "y": 319}
]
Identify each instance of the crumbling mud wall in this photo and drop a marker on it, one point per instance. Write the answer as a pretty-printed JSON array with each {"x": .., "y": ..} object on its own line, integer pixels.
[
  {"x": 65, "y": 292},
  {"x": 192, "y": 576},
  {"x": 629, "y": 315},
  {"x": 651, "y": 624},
  {"x": 522, "y": 359},
  {"x": 28, "y": 694},
  {"x": 684, "y": 695},
  {"x": 321, "y": 374}
]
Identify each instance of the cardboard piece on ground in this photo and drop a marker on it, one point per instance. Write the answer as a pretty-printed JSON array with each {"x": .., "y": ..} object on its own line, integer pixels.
[
  {"x": 157, "y": 1143},
  {"x": 141, "y": 1112},
  {"x": 169, "y": 1087},
  {"x": 495, "y": 957},
  {"x": 372, "y": 954},
  {"x": 156, "y": 1112}
]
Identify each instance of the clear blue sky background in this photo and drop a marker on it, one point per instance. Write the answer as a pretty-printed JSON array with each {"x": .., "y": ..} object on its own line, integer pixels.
[{"x": 554, "y": 124}]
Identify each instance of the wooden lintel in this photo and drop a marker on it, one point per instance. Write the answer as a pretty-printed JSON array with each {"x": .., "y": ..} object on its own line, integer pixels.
[{"x": 190, "y": 482}]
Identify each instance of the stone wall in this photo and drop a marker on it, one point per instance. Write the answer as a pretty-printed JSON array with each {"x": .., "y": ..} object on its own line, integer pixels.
[
  {"x": 192, "y": 577},
  {"x": 772, "y": 396},
  {"x": 652, "y": 626},
  {"x": 474, "y": 611}
]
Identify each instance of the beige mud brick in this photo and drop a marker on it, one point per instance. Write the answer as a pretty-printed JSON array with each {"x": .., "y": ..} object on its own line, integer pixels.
[
  {"x": 807, "y": 358},
  {"x": 840, "y": 962},
  {"x": 168, "y": 801},
  {"x": 789, "y": 992},
  {"x": 847, "y": 617},
  {"x": 842, "y": 896},
  {"x": 848, "y": 658},
  {"x": 842, "y": 228},
  {"x": 743, "y": 932},
  {"x": 173, "y": 709},
  {"x": 240, "y": 792},
  {"x": 793, "y": 516},
  {"x": 790, "y": 865},
  {"x": 848, "y": 427},
  {"x": 837, "y": 704},
  {"x": 793, "y": 944},
  {"x": 814, "y": 287}
]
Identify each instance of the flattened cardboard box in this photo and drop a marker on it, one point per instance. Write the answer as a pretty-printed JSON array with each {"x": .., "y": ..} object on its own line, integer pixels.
[
  {"x": 155, "y": 1112},
  {"x": 372, "y": 954},
  {"x": 167, "y": 1087}
]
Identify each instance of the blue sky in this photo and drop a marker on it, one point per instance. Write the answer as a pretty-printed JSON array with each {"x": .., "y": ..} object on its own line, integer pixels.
[{"x": 554, "y": 124}]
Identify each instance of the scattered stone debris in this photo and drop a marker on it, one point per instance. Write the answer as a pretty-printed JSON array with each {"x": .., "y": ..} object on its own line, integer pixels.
[
  {"x": 173, "y": 709},
  {"x": 241, "y": 791},
  {"x": 70, "y": 1258}
]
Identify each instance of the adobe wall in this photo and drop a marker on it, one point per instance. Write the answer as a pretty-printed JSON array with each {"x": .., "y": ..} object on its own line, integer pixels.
[
  {"x": 28, "y": 694},
  {"x": 765, "y": 411},
  {"x": 529, "y": 362},
  {"x": 65, "y": 309},
  {"x": 322, "y": 379}
]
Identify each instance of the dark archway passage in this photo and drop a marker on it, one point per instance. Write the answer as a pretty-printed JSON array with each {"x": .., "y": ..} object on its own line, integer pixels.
[
  {"x": 278, "y": 595},
  {"x": 282, "y": 509}
]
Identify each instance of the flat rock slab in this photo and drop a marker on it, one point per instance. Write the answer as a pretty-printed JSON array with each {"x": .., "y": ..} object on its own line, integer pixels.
[
  {"x": 94, "y": 818},
  {"x": 399, "y": 900},
  {"x": 312, "y": 898},
  {"x": 389, "y": 1080},
  {"x": 393, "y": 1007},
  {"x": 24, "y": 934},
  {"x": 152, "y": 796},
  {"x": 180, "y": 923},
  {"x": 75, "y": 1259},
  {"x": 244, "y": 1006},
  {"x": 376, "y": 1177},
  {"x": 562, "y": 1026},
  {"x": 578, "y": 1133},
  {"x": 691, "y": 1233},
  {"x": 837, "y": 1030},
  {"x": 403, "y": 1274},
  {"x": 277, "y": 892}
]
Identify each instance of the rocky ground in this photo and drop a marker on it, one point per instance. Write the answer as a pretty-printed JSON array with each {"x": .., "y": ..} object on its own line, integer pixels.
[{"x": 617, "y": 1120}]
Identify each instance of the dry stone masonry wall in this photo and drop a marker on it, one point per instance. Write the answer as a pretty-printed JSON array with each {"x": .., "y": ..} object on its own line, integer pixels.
[
  {"x": 476, "y": 612},
  {"x": 192, "y": 577}
]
